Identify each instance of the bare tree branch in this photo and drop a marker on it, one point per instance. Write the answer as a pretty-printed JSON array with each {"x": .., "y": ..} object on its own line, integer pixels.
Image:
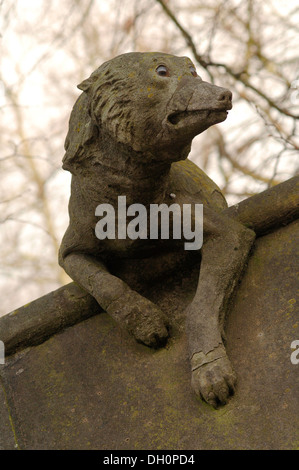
[{"x": 238, "y": 76}]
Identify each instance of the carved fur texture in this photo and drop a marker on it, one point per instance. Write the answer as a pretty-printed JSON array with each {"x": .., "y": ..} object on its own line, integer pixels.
[{"x": 130, "y": 133}]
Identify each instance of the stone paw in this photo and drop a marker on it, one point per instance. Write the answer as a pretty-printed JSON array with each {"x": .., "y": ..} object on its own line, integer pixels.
[
  {"x": 214, "y": 380},
  {"x": 142, "y": 318},
  {"x": 154, "y": 335}
]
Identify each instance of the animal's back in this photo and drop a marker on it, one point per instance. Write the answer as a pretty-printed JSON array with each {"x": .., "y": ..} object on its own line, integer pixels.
[{"x": 188, "y": 178}]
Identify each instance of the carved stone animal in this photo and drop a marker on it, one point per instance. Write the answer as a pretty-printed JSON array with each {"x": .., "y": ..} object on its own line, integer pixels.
[{"x": 130, "y": 133}]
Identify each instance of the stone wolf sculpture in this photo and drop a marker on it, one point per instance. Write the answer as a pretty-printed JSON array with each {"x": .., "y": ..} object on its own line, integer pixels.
[{"x": 130, "y": 133}]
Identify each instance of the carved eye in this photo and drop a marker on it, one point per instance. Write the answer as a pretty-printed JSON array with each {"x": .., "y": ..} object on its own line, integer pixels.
[
  {"x": 193, "y": 71},
  {"x": 162, "y": 70}
]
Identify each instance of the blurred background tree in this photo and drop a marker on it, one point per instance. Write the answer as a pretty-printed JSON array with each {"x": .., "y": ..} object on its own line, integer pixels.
[{"x": 48, "y": 47}]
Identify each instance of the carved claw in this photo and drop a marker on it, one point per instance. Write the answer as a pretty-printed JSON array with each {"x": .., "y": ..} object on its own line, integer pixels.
[{"x": 213, "y": 377}]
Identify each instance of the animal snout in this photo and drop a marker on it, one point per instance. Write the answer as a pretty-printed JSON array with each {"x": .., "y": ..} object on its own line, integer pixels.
[{"x": 225, "y": 98}]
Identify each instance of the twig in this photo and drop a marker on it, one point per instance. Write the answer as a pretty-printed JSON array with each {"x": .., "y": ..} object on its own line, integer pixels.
[{"x": 238, "y": 76}]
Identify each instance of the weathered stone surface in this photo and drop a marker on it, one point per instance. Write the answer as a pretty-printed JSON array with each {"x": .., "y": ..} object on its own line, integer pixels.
[
  {"x": 130, "y": 133},
  {"x": 7, "y": 438},
  {"x": 269, "y": 209},
  {"x": 92, "y": 387},
  {"x": 38, "y": 320},
  {"x": 31, "y": 324}
]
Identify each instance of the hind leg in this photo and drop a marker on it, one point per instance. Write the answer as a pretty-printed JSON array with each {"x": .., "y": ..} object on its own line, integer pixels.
[{"x": 224, "y": 253}]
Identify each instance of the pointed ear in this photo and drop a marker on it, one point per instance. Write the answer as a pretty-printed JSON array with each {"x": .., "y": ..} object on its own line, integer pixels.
[{"x": 86, "y": 84}]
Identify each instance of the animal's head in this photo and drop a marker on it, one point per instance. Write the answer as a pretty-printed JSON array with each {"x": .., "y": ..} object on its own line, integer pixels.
[{"x": 151, "y": 102}]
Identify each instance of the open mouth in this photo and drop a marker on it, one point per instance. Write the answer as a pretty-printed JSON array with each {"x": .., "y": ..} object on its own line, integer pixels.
[{"x": 178, "y": 116}]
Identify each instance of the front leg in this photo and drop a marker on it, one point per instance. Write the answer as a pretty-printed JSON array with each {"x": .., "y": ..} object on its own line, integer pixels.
[
  {"x": 142, "y": 318},
  {"x": 224, "y": 253}
]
